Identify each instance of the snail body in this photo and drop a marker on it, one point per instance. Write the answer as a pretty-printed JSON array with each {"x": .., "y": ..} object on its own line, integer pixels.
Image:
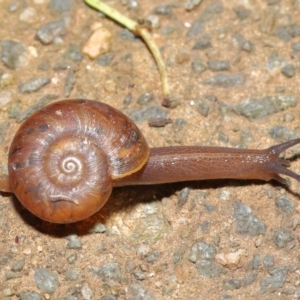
[{"x": 66, "y": 158}]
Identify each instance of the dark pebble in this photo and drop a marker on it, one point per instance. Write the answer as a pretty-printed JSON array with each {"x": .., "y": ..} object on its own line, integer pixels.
[
  {"x": 128, "y": 99},
  {"x": 246, "y": 222},
  {"x": 209, "y": 269},
  {"x": 109, "y": 297},
  {"x": 110, "y": 271},
  {"x": 242, "y": 12},
  {"x": 218, "y": 65},
  {"x": 46, "y": 280},
  {"x": 261, "y": 107},
  {"x": 204, "y": 42},
  {"x": 198, "y": 66},
  {"x": 72, "y": 275},
  {"x": 178, "y": 255},
  {"x": 249, "y": 278},
  {"x": 191, "y": 4},
  {"x": 268, "y": 261},
  {"x": 145, "y": 98},
  {"x": 139, "y": 275},
  {"x": 33, "y": 84},
  {"x": 159, "y": 122},
  {"x": 275, "y": 60},
  {"x": 201, "y": 106},
  {"x": 296, "y": 47},
  {"x": 288, "y": 71},
  {"x": 98, "y": 228},
  {"x": 13, "y": 54},
  {"x": 196, "y": 28},
  {"x": 183, "y": 195},
  {"x": 145, "y": 113},
  {"x": 226, "y": 80},
  {"x": 152, "y": 257},
  {"x": 61, "y": 6},
  {"x": 137, "y": 291},
  {"x": 73, "y": 242},
  {"x": 286, "y": 33},
  {"x": 69, "y": 82},
  {"x": 232, "y": 284},
  {"x": 30, "y": 296},
  {"x": 72, "y": 258},
  {"x": 243, "y": 43},
  {"x": 105, "y": 60},
  {"x": 255, "y": 262},
  {"x": 275, "y": 282},
  {"x": 282, "y": 237},
  {"x": 49, "y": 32},
  {"x": 18, "y": 265},
  {"x": 73, "y": 53},
  {"x": 285, "y": 204},
  {"x": 283, "y": 134},
  {"x": 211, "y": 11},
  {"x": 203, "y": 251}
]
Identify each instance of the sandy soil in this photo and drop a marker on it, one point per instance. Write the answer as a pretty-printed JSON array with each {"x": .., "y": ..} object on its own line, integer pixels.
[{"x": 141, "y": 245}]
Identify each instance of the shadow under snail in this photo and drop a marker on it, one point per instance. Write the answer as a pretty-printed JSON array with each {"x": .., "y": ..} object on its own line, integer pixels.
[{"x": 66, "y": 158}]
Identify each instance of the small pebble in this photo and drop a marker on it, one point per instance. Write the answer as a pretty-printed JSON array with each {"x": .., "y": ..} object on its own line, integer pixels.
[
  {"x": 242, "y": 12},
  {"x": 74, "y": 242},
  {"x": 191, "y": 4},
  {"x": 51, "y": 32},
  {"x": 282, "y": 237},
  {"x": 285, "y": 204},
  {"x": 183, "y": 195},
  {"x": 246, "y": 222},
  {"x": 86, "y": 292},
  {"x": 99, "y": 43},
  {"x": 202, "y": 43},
  {"x": 145, "y": 98},
  {"x": 5, "y": 98},
  {"x": 261, "y": 107},
  {"x": 109, "y": 272},
  {"x": 268, "y": 261},
  {"x": 28, "y": 15},
  {"x": 288, "y": 71},
  {"x": 226, "y": 80},
  {"x": 33, "y": 84},
  {"x": 46, "y": 280},
  {"x": 61, "y": 6},
  {"x": 137, "y": 291},
  {"x": 163, "y": 9},
  {"x": 105, "y": 60},
  {"x": 13, "y": 54},
  {"x": 218, "y": 65}
]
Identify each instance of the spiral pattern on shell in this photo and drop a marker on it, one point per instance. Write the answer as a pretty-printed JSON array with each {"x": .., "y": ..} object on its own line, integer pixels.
[{"x": 64, "y": 158}]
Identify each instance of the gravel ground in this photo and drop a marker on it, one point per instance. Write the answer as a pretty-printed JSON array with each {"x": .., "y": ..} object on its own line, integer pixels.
[{"x": 234, "y": 68}]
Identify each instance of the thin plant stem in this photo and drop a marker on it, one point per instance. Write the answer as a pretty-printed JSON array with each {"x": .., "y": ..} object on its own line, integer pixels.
[{"x": 137, "y": 30}]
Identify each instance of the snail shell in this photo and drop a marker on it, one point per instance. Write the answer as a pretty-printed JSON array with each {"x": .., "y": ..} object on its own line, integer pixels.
[{"x": 64, "y": 158}]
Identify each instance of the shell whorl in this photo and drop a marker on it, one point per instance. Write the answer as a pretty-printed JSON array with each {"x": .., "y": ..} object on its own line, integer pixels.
[{"x": 64, "y": 158}]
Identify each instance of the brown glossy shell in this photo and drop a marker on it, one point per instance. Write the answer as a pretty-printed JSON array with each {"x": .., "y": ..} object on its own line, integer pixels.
[{"x": 63, "y": 159}]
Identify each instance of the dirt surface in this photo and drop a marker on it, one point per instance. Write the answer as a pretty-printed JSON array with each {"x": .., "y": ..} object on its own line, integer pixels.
[{"x": 206, "y": 240}]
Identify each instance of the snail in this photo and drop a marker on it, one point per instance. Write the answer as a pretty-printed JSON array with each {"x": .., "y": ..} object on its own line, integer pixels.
[{"x": 66, "y": 158}]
